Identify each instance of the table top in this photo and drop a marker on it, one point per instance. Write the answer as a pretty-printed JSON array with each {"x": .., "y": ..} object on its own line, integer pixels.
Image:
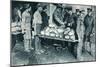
[{"x": 56, "y": 38}]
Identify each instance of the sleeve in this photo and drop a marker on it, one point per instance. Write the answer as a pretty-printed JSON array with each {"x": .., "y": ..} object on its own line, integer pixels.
[
  {"x": 93, "y": 25},
  {"x": 57, "y": 18},
  {"x": 19, "y": 13}
]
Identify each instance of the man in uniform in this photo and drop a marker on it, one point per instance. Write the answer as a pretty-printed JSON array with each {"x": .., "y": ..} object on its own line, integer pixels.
[{"x": 89, "y": 24}]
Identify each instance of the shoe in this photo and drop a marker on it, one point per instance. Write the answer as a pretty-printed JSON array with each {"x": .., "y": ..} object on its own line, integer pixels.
[
  {"x": 42, "y": 51},
  {"x": 38, "y": 52},
  {"x": 31, "y": 48}
]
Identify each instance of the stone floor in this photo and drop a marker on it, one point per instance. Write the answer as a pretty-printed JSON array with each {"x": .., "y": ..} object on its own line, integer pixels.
[{"x": 20, "y": 57}]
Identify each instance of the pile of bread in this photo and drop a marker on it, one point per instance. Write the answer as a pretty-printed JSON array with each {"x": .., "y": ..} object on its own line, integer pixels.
[{"x": 67, "y": 33}]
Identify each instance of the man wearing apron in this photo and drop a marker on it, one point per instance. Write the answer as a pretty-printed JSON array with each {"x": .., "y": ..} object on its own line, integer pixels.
[{"x": 26, "y": 29}]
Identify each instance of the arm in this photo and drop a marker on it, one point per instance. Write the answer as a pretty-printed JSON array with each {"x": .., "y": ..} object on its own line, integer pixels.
[
  {"x": 93, "y": 26},
  {"x": 23, "y": 23},
  {"x": 57, "y": 18}
]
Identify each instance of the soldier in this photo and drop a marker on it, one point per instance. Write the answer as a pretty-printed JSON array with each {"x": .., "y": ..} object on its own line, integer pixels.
[
  {"x": 70, "y": 20},
  {"x": 80, "y": 31},
  {"x": 89, "y": 24},
  {"x": 45, "y": 18},
  {"x": 75, "y": 17}
]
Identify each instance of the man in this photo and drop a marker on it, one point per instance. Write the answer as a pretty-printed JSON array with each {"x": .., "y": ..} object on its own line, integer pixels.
[
  {"x": 58, "y": 15},
  {"x": 69, "y": 19},
  {"x": 37, "y": 22},
  {"x": 70, "y": 23},
  {"x": 80, "y": 31},
  {"x": 26, "y": 28},
  {"x": 75, "y": 17},
  {"x": 89, "y": 24},
  {"x": 45, "y": 18},
  {"x": 16, "y": 27}
]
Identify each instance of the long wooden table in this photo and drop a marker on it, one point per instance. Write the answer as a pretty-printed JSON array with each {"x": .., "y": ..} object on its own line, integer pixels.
[
  {"x": 61, "y": 39},
  {"x": 56, "y": 38}
]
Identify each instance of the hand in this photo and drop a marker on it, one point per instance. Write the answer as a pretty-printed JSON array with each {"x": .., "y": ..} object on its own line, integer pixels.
[
  {"x": 23, "y": 32},
  {"x": 63, "y": 23},
  {"x": 69, "y": 24},
  {"x": 62, "y": 26}
]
